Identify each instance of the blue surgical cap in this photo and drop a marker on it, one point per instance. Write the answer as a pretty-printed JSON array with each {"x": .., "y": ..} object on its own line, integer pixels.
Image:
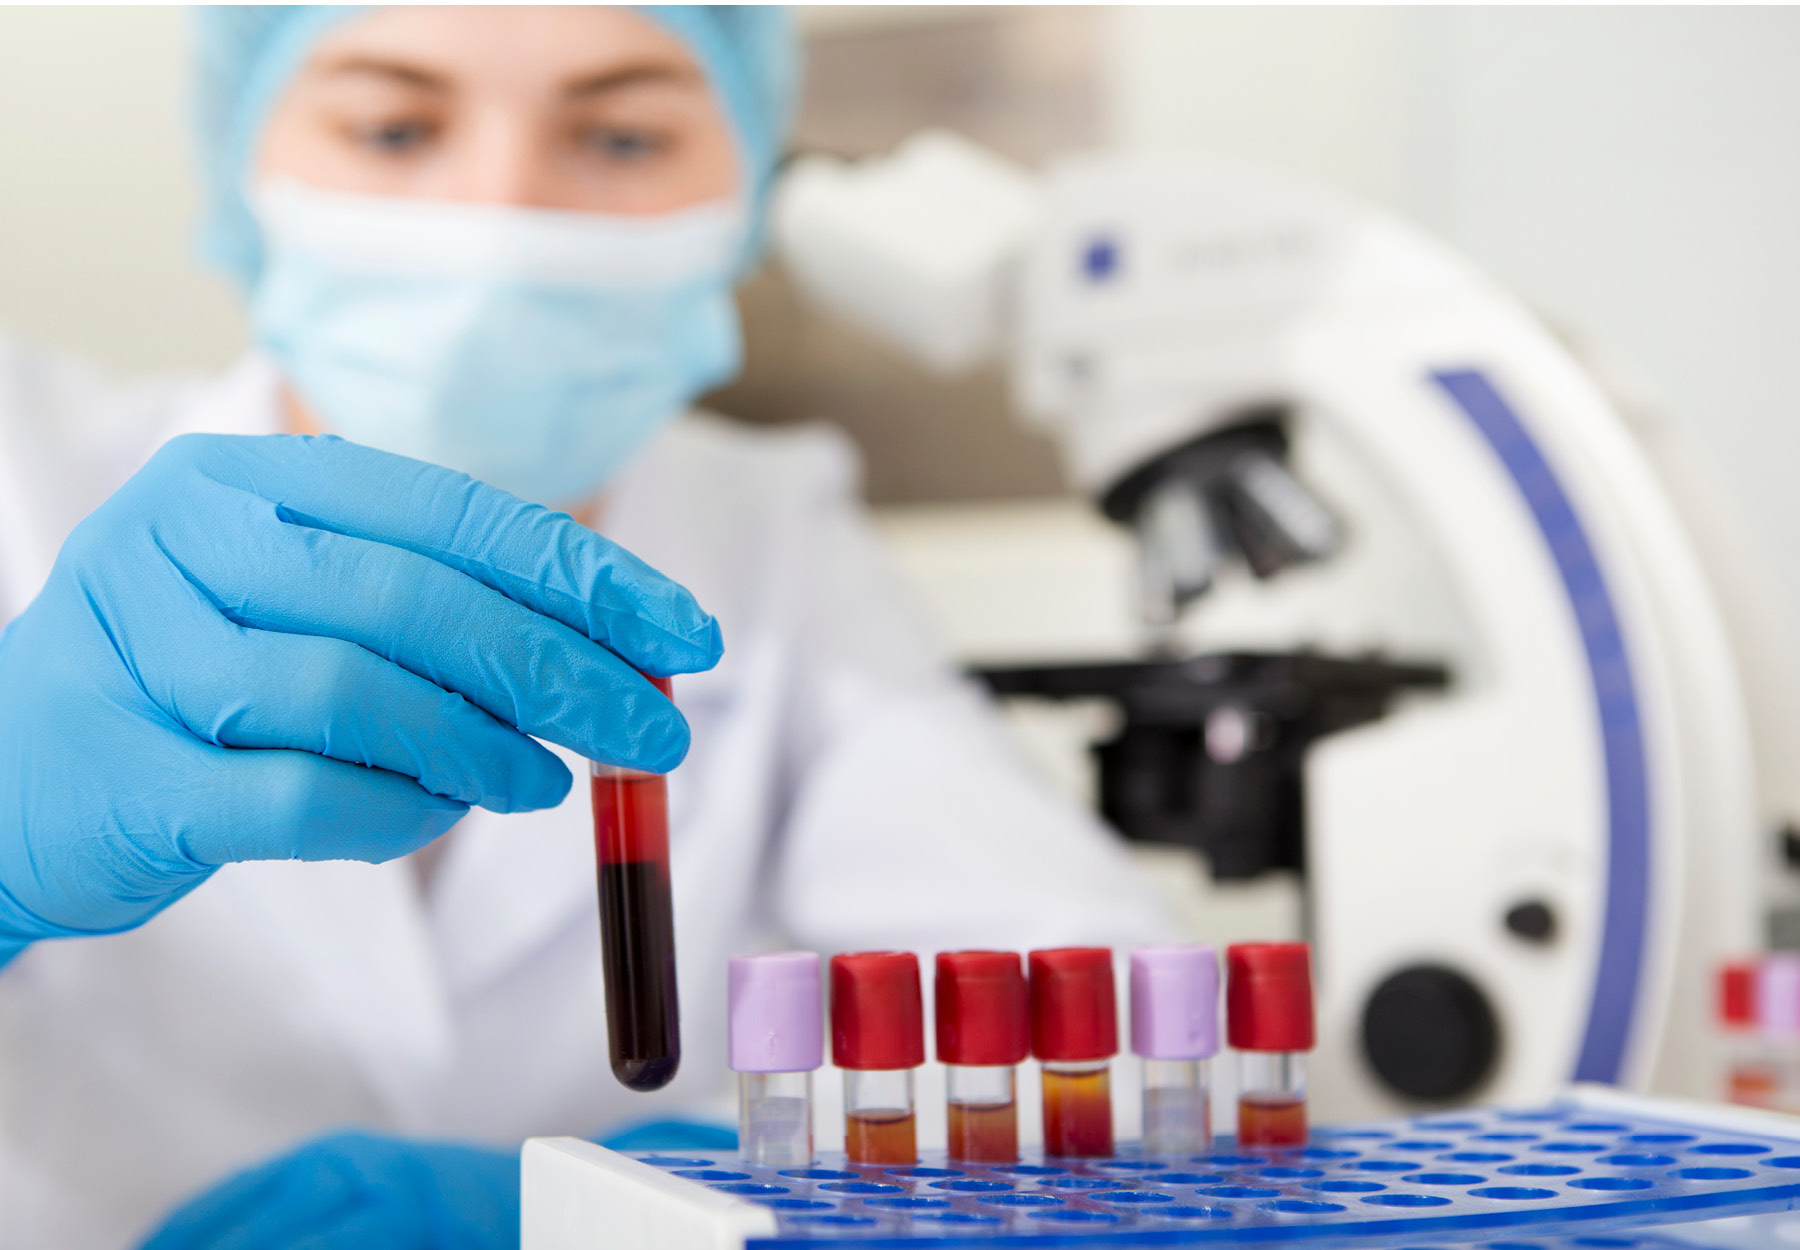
[{"x": 244, "y": 55}]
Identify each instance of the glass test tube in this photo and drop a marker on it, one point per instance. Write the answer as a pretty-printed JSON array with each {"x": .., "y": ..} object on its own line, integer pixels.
[
  {"x": 1175, "y": 1030},
  {"x": 776, "y": 1043},
  {"x": 983, "y": 1032},
  {"x": 1075, "y": 1034},
  {"x": 878, "y": 1038},
  {"x": 637, "y": 922},
  {"x": 1269, "y": 1017}
]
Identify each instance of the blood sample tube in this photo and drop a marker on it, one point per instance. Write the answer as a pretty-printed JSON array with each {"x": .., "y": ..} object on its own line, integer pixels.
[
  {"x": 1075, "y": 1034},
  {"x": 1175, "y": 1030},
  {"x": 1269, "y": 1018},
  {"x": 637, "y": 922},
  {"x": 878, "y": 1038},
  {"x": 776, "y": 1043},
  {"x": 983, "y": 1032}
]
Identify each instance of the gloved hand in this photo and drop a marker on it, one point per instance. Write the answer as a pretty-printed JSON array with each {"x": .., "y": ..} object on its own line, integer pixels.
[
  {"x": 358, "y": 1190},
  {"x": 299, "y": 648}
]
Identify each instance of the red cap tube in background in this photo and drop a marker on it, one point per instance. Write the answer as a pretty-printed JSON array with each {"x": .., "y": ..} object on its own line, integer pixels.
[
  {"x": 1268, "y": 996},
  {"x": 982, "y": 1013},
  {"x": 1074, "y": 1015},
  {"x": 1737, "y": 994},
  {"x": 877, "y": 1015}
]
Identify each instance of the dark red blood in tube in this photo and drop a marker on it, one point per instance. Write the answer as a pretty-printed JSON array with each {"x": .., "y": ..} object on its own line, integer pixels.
[
  {"x": 637, "y": 924},
  {"x": 631, "y": 819}
]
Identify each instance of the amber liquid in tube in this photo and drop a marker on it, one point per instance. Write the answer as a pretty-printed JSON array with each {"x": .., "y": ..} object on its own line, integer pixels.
[
  {"x": 1272, "y": 1120},
  {"x": 984, "y": 1133},
  {"x": 1078, "y": 1113},
  {"x": 881, "y": 1137}
]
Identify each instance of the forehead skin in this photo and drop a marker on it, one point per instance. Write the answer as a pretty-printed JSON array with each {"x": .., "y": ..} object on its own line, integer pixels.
[
  {"x": 509, "y": 62},
  {"x": 529, "y": 53}
]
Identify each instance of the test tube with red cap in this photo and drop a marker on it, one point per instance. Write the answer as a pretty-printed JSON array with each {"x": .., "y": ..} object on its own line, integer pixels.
[
  {"x": 637, "y": 921},
  {"x": 983, "y": 1033},
  {"x": 878, "y": 1038},
  {"x": 1269, "y": 1019},
  {"x": 1750, "y": 1078},
  {"x": 777, "y": 1041},
  {"x": 1075, "y": 1034},
  {"x": 1175, "y": 1030}
]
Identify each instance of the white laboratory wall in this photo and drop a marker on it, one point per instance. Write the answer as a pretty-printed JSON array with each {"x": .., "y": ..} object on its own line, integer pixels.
[
  {"x": 1321, "y": 90},
  {"x": 97, "y": 193}
]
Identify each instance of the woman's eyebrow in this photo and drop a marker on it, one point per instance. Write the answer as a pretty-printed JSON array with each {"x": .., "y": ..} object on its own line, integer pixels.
[
  {"x": 631, "y": 76},
  {"x": 398, "y": 72}
]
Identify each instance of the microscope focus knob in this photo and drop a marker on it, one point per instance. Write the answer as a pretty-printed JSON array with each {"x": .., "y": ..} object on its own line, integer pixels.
[{"x": 1430, "y": 1034}]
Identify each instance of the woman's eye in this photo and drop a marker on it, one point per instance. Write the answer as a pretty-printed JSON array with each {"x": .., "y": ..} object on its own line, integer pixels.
[
  {"x": 621, "y": 145},
  {"x": 395, "y": 138}
]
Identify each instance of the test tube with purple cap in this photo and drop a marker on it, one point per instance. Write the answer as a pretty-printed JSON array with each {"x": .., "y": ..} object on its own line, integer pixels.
[
  {"x": 1175, "y": 1031},
  {"x": 777, "y": 1041}
]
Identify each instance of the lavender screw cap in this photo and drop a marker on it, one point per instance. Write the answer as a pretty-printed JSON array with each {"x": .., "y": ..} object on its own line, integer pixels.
[
  {"x": 1175, "y": 1002},
  {"x": 1778, "y": 996},
  {"x": 776, "y": 1025}
]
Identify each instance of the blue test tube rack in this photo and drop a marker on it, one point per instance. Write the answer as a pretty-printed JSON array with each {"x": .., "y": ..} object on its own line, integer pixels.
[{"x": 1552, "y": 1178}]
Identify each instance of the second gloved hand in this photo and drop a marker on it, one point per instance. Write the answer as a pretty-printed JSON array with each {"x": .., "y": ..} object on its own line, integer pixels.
[
  {"x": 299, "y": 648},
  {"x": 358, "y": 1191}
]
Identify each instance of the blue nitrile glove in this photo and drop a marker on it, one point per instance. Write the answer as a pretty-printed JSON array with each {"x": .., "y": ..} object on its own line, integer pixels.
[
  {"x": 356, "y": 1190},
  {"x": 298, "y": 648}
]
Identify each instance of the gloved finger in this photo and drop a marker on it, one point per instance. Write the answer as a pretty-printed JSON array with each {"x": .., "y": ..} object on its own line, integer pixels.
[
  {"x": 297, "y": 805},
  {"x": 267, "y": 690},
  {"x": 523, "y": 668},
  {"x": 545, "y": 560}
]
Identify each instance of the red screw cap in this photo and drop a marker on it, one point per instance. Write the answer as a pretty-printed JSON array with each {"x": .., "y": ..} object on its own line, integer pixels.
[
  {"x": 877, "y": 1015},
  {"x": 1268, "y": 996},
  {"x": 982, "y": 1017},
  {"x": 1737, "y": 994},
  {"x": 1074, "y": 1015}
]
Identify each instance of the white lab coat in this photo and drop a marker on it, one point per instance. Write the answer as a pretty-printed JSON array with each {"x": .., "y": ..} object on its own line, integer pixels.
[{"x": 845, "y": 790}]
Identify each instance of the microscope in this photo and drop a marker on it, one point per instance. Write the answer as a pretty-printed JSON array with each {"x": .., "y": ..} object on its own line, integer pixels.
[{"x": 1422, "y": 620}]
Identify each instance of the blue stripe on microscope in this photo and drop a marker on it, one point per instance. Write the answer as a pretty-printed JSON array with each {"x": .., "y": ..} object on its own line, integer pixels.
[{"x": 1623, "y": 933}]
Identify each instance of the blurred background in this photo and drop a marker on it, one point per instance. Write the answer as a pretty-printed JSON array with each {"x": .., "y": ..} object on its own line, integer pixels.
[
  {"x": 1631, "y": 173},
  {"x": 1628, "y": 170}
]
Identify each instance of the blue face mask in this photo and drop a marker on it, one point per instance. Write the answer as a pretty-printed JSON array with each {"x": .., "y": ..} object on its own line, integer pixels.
[{"x": 533, "y": 349}]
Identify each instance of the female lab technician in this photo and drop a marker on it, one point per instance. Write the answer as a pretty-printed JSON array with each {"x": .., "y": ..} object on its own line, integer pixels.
[{"x": 502, "y": 241}]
